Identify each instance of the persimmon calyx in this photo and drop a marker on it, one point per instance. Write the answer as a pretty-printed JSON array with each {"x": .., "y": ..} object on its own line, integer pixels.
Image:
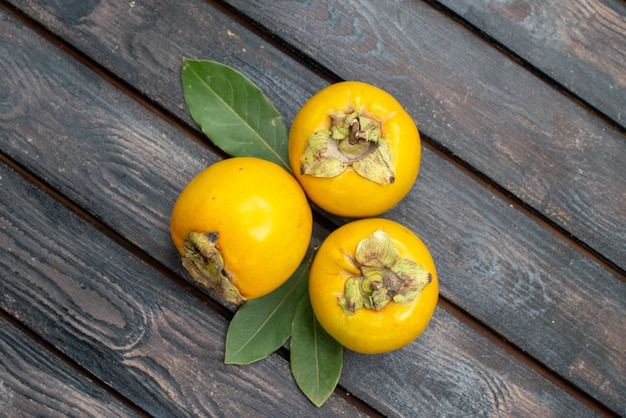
[
  {"x": 204, "y": 262},
  {"x": 354, "y": 140},
  {"x": 385, "y": 277}
]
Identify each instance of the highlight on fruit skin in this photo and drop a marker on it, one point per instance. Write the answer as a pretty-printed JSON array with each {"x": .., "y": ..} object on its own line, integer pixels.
[
  {"x": 354, "y": 149},
  {"x": 373, "y": 285},
  {"x": 242, "y": 226}
]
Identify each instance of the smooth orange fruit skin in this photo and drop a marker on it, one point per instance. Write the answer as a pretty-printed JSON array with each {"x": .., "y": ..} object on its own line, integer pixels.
[
  {"x": 349, "y": 194},
  {"x": 262, "y": 216},
  {"x": 369, "y": 331}
]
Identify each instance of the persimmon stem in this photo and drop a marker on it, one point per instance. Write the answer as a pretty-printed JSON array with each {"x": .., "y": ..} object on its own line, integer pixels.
[
  {"x": 354, "y": 141},
  {"x": 204, "y": 262},
  {"x": 355, "y": 127},
  {"x": 385, "y": 278}
]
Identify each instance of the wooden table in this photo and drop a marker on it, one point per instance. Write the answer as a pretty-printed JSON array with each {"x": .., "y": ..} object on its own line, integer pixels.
[{"x": 521, "y": 198}]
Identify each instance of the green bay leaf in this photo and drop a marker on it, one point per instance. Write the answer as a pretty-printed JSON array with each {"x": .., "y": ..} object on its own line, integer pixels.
[
  {"x": 233, "y": 112},
  {"x": 316, "y": 357},
  {"x": 262, "y": 325}
]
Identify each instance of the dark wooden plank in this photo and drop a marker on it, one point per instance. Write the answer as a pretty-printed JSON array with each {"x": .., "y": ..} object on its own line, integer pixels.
[
  {"x": 485, "y": 108},
  {"x": 98, "y": 305},
  {"x": 479, "y": 242},
  {"x": 126, "y": 323},
  {"x": 155, "y": 344},
  {"x": 580, "y": 44},
  {"x": 144, "y": 44},
  {"x": 33, "y": 382},
  {"x": 476, "y": 101},
  {"x": 438, "y": 376},
  {"x": 506, "y": 270},
  {"x": 143, "y": 155},
  {"x": 91, "y": 140}
]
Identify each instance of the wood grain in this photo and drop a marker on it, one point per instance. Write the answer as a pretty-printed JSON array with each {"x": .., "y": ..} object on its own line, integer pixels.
[
  {"x": 504, "y": 269},
  {"x": 164, "y": 350},
  {"x": 467, "y": 228},
  {"x": 35, "y": 383},
  {"x": 581, "y": 44},
  {"x": 144, "y": 330},
  {"x": 477, "y": 102},
  {"x": 538, "y": 144},
  {"x": 457, "y": 386},
  {"x": 144, "y": 43},
  {"x": 137, "y": 158},
  {"x": 126, "y": 323}
]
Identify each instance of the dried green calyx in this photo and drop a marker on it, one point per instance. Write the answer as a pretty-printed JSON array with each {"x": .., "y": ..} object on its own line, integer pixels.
[
  {"x": 203, "y": 260},
  {"x": 354, "y": 140},
  {"x": 384, "y": 278}
]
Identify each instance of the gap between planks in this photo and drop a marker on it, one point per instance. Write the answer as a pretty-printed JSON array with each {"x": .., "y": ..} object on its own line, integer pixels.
[
  {"x": 438, "y": 148},
  {"x": 510, "y": 198},
  {"x": 461, "y": 315},
  {"x": 330, "y": 77},
  {"x": 523, "y": 357},
  {"x": 326, "y": 223},
  {"x": 528, "y": 66},
  {"x": 156, "y": 265},
  {"x": 69, "y": 361}
]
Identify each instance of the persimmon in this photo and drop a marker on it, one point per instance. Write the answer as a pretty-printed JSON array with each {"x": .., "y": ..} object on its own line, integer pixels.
[
  {"x": 354, "y": 149},
  {"x": 373, "y": 285},
  {"x": 242, "y": 227}
]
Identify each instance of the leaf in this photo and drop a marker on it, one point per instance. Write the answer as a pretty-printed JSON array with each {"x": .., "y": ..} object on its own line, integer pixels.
[
  {"x": 316, "y": 357},
  {"x": 233, "y": 112},
  {"x": 262, "y": 325}
]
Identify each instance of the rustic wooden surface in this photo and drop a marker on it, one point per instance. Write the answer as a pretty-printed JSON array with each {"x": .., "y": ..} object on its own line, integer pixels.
[
  {"x": 579, "y": 44},
  {"x": 521, "y": 198}
]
